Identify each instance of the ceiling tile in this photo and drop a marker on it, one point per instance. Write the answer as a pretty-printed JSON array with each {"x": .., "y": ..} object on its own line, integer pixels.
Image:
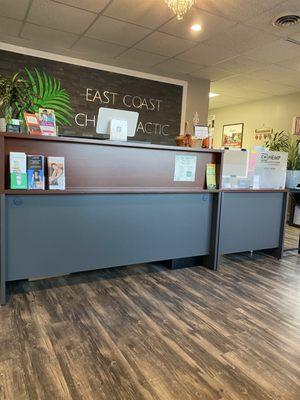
[
  {"x": 148, "y": 13},
  {"x": 238, "y": 10},
  {"x": 90, "y": 56},
  {"x": 129, "y": 64},
  {"x": 248, "y": 87},
  {"x": 89, "y": 5},
  {"x": 264, "y": 20},
  {"x": 296, "y": 36},
  {"x": 211, "y": 73},
  {"x": 59, "y": 16},
  {"x": 10, "y": 26},
  {"x": 274, "y": 52},
  {"x": 115, "y": 31},
  {"x": 13, "y": 8},
  {"x": 241, "y": 38},
  {"x": 238, "y": 87},
  {"x": 163, "y": 44},
  {"x": 223, "y": 101},
  {"x": 16, "y": 41},
  {"x": 138, "y": 57},
  {"x": 45, "y": 35},
  {"x": 211, "y": 25},
  {"x": 240, "y": 65},
  {"x": 225, "y": 85},
  {"x": 264, "y": 86},
  {"x": 278, "y": 74},
  {"x": 206, "y": 55},
  {"x": 176, "y": 66},
  {"x": 90, "y": 47},
  {"x": 293, "y": 64}
]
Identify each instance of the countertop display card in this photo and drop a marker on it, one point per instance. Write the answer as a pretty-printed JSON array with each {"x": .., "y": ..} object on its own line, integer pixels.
[
  {"x": 56, "y": 173},
  {"x": 185, "y": 168},
  {"x": 32, "y": 124},
  {"x": 35, "y": 172},
  {"x": 17, "y": 167},
  {"x": 211, "y": 176},
  {"x": 270, "y": 170},
  {"x": 47, "y": 122}
]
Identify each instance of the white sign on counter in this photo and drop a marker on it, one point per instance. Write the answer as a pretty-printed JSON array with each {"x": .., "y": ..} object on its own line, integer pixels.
[
  {"x": 185, "y": 168},
  {"x": 270, "y": 170}
]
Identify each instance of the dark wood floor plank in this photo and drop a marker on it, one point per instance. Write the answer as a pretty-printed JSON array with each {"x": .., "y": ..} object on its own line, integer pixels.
[{"x": 208, "y": 358}]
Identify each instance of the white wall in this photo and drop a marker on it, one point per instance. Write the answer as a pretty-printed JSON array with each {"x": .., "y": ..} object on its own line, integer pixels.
[{"x": 275, "y": 112}]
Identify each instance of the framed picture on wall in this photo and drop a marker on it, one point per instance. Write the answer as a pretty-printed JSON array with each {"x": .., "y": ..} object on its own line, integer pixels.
[
  {"x": 296, "y": 126},
  {"x": 233, "y": 135}
]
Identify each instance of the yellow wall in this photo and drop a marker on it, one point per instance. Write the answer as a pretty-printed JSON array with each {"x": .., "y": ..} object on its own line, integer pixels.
[{"x": 275, "y": 112}]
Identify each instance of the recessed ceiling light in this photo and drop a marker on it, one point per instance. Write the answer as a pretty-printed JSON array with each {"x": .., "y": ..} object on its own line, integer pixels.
[
  {"x": 211, "y": 94},
  {"x": 196, "y": 27}
]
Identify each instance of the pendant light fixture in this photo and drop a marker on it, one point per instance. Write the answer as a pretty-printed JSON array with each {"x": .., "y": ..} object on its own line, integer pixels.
[{"x": 180, "y": 7}]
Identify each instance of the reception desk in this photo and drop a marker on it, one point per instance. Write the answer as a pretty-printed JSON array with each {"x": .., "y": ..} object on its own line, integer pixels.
[{"x": 122, "y": 206}]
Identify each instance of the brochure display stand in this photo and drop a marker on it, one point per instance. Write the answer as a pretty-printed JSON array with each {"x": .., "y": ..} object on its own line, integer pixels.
[{"x": 124, "y": 203}]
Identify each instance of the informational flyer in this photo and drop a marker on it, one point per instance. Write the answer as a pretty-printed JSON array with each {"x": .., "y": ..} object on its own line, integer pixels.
[
  {"x": 185, "y": 168},
  {"x": 211, "y": 176},
  {"x": 47, "y": 122},
  {"x": 200, "y": 131}
]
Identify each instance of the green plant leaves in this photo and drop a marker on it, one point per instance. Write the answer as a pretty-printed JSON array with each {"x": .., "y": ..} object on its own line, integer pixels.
[
  {"x": 49, "y": 94},
  {"x": 30, "y": 91},
  {"x": 293, "y": 154},
  {"x": 282, "y": 141},
  {"x": 278, "y": 141},
  {"x": 16, "y": 96}
]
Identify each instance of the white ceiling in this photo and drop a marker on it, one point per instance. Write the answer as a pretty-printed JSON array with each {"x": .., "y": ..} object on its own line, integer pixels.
[{"x": 238, "y": 49}]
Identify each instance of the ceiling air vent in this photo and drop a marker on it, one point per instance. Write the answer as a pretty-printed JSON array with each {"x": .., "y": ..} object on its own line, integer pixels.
[{"x": 286, "y": 20}]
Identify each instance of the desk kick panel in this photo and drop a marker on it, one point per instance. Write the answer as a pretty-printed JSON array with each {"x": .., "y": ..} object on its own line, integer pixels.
[
  {"x": 250, "y": 221},
  {"x": 58, "y": 234}
]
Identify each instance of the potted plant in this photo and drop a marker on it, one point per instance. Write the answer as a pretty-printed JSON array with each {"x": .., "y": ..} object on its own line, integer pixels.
[
  {"x": 282, "y": 141},
  {"x": 16, "y": 97}
]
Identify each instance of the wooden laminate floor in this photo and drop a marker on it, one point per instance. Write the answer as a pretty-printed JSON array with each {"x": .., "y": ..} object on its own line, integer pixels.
[{"x": 144, "y": 332}]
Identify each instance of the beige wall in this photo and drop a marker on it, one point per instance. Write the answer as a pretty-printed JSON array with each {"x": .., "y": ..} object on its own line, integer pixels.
[{"x": 276, "y": 112}]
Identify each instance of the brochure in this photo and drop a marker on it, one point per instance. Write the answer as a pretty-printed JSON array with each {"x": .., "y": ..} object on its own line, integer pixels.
[
  {"x": 185, "y": 168},
  {"x": 32, "y": 124},
  {"x": 211, "y": 176},
  {"x": 17, "y": 169},
  {"x": 35, "y": 172},
  {"x": 47, "y": 122},
  {"x": 56, "y": 173}
]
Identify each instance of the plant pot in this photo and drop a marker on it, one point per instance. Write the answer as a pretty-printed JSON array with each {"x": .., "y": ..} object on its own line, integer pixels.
[
  {"x": 2, "y": 125},
  {"x": 292, "y": 179}
]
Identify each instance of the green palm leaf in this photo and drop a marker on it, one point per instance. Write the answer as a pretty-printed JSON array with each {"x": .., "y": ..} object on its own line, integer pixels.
[{"x": 49, "y": 94}]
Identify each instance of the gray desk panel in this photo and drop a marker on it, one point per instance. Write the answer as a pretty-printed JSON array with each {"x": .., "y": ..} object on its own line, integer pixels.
[
  {"x": 250, "y": 221},
  {"x": 57, "y": 234}
]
